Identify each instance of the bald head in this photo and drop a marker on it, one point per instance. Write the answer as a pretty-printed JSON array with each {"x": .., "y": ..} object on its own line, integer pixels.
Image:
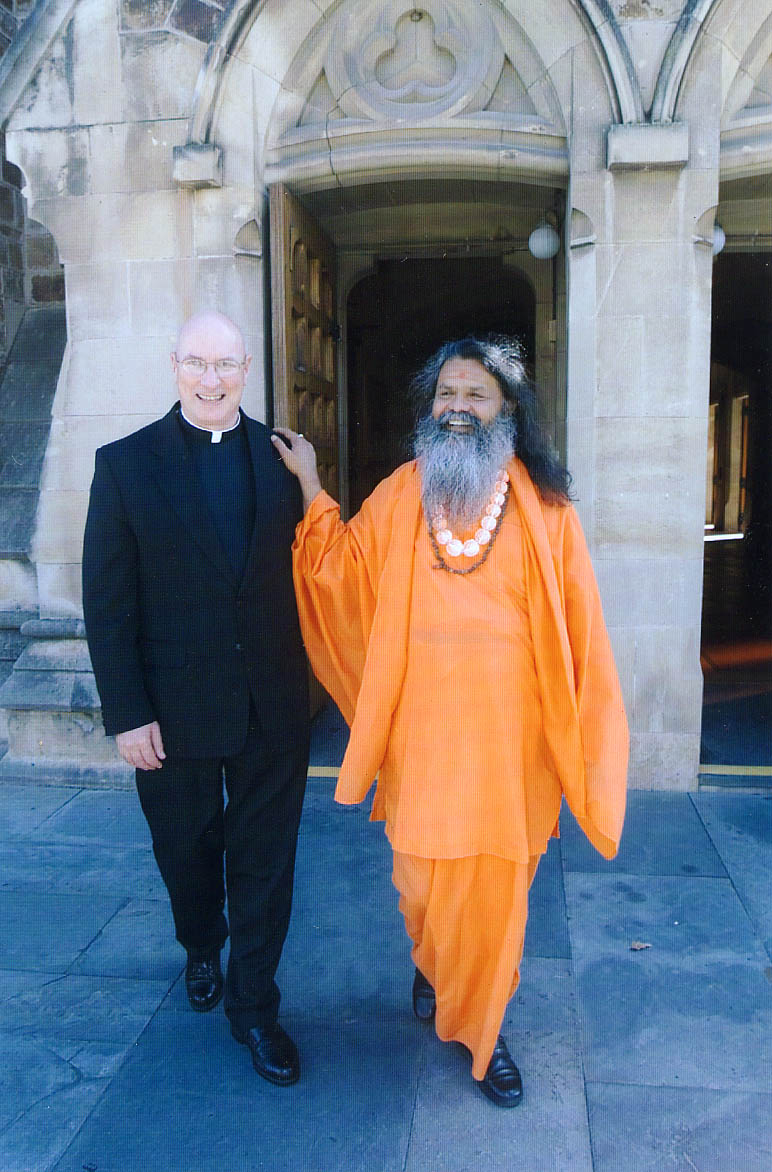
[
  {"x": 206, "y": 323},
  {"x": 210, "y": 367}
]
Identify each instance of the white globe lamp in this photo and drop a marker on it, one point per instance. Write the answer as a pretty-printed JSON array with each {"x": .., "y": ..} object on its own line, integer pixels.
[
  {"x": 544, "y": 242},
  {"x": 719, "y": 239}
]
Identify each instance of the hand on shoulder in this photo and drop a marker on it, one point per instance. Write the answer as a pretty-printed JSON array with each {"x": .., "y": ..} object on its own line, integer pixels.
[{"x": 300, "y": 458}]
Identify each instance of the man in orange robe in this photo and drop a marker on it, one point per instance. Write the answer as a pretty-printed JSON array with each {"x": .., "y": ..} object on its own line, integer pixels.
[{"x": 456, "y": 622}]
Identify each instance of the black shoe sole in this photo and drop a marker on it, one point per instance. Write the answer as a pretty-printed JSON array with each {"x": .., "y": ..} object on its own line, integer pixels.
[
  {"x": 499, "y": 1100},
  {"x": 272, "y": 1078},
  {"x": 277, "y": 1082},
  {"x": 206, "y": 1008}
]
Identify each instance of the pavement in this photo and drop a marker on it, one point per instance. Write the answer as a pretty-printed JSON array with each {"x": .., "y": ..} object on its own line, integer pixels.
[{"x": 642, "y": 1026}]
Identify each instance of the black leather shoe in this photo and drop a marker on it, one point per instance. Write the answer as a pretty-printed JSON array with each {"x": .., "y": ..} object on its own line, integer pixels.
[
  {"x": 424, "y": 1000},
  {"x": 274, "y": 1054},
  {"x": 204, "y": 983},
  {"x": 502, "y": 1083}
]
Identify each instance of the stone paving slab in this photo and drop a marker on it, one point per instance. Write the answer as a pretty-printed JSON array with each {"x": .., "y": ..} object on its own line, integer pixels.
[
  {"x": 81, "y": 868},
  {"x": 94, "y": 1009},
  {"x": 136, "y": 942},
  {"x": 663, "y": 835},
  {"x": 103, "y": 1065},
  {"x": 25, "y": 807},
  {"x": 47, "y": 1091},
  {"x": 347, "y": 950},
  {"x": 546, "y": 933},
  {"x": 351, "y": 964},
  {"x": 653, "y": 1129},
  {"x": 48, "y": 931},
  {"x": 111, "y": 817},
  {"x": 203, "y": 1107},
  {"x": 695, "y": 1008},
  {"x": 455, "y": 1129},
  {"x": 339, "y": 846},
  {"x": 741, "y": 827}
]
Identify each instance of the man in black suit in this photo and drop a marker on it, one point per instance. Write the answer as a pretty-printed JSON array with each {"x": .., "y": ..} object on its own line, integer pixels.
[{"x": 196, "y": 649}]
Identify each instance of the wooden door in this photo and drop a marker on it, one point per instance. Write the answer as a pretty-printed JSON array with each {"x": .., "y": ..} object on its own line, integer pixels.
[
  {"x": 305, "y": 331},
  {"x": 742, "y": 519}
]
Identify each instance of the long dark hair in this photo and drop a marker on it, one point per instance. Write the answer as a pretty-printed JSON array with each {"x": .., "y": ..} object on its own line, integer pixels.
[{"x": 503, "y": 358}]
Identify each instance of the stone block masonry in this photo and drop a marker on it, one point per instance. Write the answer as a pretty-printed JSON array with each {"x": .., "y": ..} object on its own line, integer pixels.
[{"x": 196, "y": 18}]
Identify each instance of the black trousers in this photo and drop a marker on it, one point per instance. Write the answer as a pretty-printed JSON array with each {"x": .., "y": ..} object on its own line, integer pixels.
[{"x": 256, "y": 835}]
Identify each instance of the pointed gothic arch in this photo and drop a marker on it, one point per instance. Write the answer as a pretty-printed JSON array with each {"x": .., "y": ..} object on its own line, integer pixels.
[
  {"x": 745, "y": 32},
  {"x": 677, "y": 57},
  {"x": 358, "y": 98},
  {"x": 593, "y": 19}
]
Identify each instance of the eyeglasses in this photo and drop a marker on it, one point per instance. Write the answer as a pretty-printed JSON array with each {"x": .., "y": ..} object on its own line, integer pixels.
[{"x": 224, "y": 367}]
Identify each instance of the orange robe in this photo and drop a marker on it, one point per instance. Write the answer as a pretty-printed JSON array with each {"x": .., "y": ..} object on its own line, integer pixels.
[{"x": 480, "y": 701}]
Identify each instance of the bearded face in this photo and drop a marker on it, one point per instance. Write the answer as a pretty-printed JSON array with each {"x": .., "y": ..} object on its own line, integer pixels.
[{"x": 459, "y": 457}]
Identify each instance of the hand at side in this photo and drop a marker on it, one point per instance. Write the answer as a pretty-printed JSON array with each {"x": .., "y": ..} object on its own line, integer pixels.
[{"x": 142, "y": 747}]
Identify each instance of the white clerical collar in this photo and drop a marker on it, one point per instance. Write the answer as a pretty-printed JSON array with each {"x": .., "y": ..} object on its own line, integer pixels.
[{"x": 216, "y": 435}]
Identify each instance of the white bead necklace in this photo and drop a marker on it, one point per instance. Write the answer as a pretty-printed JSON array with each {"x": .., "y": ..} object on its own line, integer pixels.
[{"x": 444, "y": 539}]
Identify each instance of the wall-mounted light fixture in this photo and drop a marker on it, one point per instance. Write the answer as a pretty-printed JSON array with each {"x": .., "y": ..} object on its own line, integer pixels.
[
  {"x": 719, "y": 238},
  {"x": 544, "y": 241}
]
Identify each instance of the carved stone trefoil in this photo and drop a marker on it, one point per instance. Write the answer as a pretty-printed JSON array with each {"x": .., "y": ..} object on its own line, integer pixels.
[{"x": 393, "y": 61}]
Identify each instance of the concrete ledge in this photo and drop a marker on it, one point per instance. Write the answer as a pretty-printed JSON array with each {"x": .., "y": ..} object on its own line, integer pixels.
[
  {"x": 197, "y": 164},
  {"x": 56, "y": 655},
  {"x": 53, "y": 714},
  {"x": 37, "y": 628},
  {"x": 643, "y": 146},
  {"x": 33, "y": 690},
  {"x": 21, "y": 770},
  {"x": 14, "y": 619}
]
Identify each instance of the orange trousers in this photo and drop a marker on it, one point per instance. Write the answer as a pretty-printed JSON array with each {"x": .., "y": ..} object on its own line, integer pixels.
[{"x": 466, "y": 918}]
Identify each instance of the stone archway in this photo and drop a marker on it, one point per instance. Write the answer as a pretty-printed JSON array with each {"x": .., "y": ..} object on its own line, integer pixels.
[
  {"x": 248, "y": 32},
  {"x": 745, "y": 114},
  {"x": 447, "y": 89}
]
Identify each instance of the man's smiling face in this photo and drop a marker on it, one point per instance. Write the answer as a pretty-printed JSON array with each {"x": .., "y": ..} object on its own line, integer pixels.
[
  {"x": 464, "y": 386},
  {"x": 210, "y": 395}
]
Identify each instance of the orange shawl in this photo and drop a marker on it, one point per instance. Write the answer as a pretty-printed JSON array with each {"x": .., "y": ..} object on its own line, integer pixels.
[{"x": 353, "y": 585}]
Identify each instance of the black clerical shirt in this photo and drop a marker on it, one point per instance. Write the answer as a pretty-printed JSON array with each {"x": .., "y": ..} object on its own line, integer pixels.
[{"x": 228, "y": 482}]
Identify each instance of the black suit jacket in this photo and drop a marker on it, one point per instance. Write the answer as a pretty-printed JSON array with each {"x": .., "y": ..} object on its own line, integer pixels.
[{"x": 173, "y": 635}]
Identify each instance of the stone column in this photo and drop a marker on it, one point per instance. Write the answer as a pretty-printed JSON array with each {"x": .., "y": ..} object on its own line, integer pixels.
[
  {"x": 544, "y": 279},
  {"x": 642, "y": 199}
]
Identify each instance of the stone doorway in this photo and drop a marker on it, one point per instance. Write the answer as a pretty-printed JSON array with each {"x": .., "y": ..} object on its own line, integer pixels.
[
  {"x": 395, "y": 318},
  {"x": 736, "y": 651},
  {"x": 418, "y": 261}
]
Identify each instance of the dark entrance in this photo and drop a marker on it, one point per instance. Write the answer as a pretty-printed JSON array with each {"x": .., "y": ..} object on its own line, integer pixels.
[
  {"x": 737, "y": 599},
  {"x": 396, "y": 318}
]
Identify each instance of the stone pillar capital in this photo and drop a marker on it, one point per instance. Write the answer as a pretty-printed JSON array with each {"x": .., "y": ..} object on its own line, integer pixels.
[
  {"x": 646, "y": 146},
  {"x": 198, "y": 164}
]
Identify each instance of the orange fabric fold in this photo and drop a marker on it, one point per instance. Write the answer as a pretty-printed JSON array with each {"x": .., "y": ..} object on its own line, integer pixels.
[
  {"x": 516, "y": 697},
  {"x": 466, "y": 918}
]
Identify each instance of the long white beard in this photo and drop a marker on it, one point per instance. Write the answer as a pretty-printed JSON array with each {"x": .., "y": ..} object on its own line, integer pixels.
[{"x": 458, "y": 471}]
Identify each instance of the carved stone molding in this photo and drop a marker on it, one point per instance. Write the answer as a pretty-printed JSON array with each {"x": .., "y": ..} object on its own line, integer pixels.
[
  {"x": 751, "y": 90},
  {"x": 28, "y": 48},
  {"x": 682, "y": 44},
  {"x": 394, "y": 60},
  {"x": 463, "y": 78}
]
